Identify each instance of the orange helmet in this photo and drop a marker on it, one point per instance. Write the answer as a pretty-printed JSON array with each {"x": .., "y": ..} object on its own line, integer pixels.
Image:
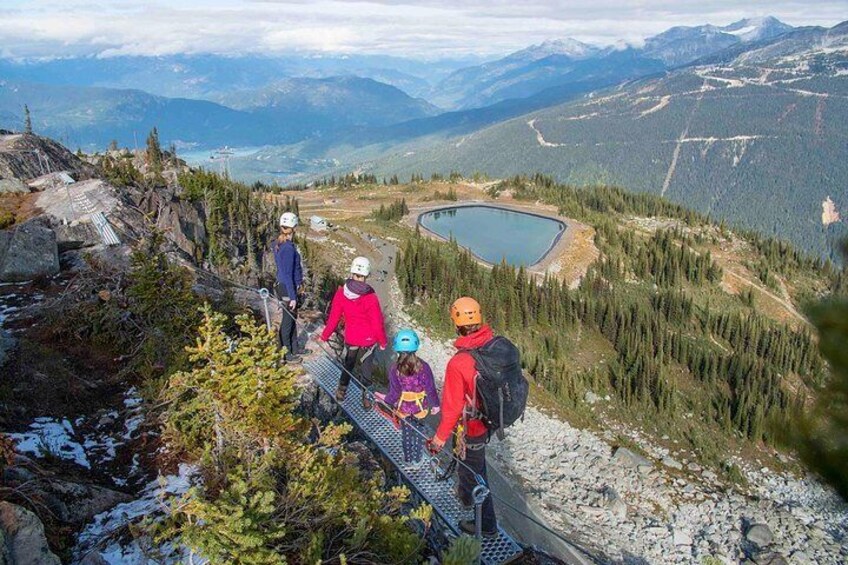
[{"x": 465, "y": 312}]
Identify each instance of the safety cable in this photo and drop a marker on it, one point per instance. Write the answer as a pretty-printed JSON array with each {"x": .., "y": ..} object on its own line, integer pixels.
[{"x": 336, "y": 361}]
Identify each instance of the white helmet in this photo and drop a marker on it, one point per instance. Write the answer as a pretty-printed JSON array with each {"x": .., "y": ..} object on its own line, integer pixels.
[
  {"x": 288, "y": 220},
  {"x": 361, "y": 266}
]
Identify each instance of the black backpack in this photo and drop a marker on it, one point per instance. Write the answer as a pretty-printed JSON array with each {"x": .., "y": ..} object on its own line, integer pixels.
[{"x": 501, "y": 386}]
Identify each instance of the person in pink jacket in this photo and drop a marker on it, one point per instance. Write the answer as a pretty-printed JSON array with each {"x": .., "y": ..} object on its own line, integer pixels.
[{"x": 364, "y": 330}]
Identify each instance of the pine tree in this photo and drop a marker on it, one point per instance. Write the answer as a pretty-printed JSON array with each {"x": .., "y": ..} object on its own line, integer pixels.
[
  {"x": 154, "y": 150},
  {"x": 27, "y": 120}
]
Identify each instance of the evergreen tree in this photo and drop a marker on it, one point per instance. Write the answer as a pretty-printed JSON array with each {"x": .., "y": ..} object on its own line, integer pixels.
[
  {"x": 27, "y": 120},
  {"x": 154, "y": 150}
]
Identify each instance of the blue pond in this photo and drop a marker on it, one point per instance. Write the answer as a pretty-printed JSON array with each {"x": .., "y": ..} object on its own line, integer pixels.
[{"x": 494, "y": 234}]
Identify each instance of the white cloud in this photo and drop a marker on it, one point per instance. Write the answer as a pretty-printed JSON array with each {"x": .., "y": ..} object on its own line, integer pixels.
[{"x": 424, "y": 28}]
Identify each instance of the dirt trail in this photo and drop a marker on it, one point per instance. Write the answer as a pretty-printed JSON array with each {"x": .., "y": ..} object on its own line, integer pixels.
[{"x": 783, "y": 302}]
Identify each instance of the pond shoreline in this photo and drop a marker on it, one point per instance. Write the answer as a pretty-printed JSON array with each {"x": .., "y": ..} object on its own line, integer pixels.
[{"x": 543, "y": 265}]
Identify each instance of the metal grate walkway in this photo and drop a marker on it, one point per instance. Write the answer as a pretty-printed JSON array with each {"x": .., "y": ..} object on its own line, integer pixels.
[{"x": 439, "y": 494}]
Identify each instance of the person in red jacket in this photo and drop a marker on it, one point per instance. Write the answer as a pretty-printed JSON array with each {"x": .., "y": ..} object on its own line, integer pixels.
[
  {"x": 364, "y": 330},
  {"x": 459, "y": 407}
]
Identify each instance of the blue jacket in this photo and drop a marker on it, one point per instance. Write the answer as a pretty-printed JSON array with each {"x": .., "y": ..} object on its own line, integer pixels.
[{"x": 289, "y": 270}]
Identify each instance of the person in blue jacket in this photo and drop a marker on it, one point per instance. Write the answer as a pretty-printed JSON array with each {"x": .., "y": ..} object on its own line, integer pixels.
[{"x": 289, "y": 279}]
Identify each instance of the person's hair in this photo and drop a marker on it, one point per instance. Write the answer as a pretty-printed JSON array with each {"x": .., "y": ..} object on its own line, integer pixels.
[
  {"x": 468, "y": 330},
  {"x": 408, "y": 364},
  {"x": 286, "y": 234},
  {"x": 357, "y": 277}
]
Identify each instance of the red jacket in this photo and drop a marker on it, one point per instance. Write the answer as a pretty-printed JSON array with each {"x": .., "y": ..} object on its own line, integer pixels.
[
  {"x": 362, "y": 315},
  {"x": 460, "y": 382}
]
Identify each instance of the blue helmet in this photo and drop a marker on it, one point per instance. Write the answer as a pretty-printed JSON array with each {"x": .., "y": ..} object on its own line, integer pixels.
[{"x": 406, "y": 341}]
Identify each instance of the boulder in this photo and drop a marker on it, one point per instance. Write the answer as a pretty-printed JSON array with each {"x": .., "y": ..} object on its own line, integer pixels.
[
  {"x": 76, "y": 236},
  {"x": 681, "y": 538},
  {"x": 591, "y": 398},
  {"x": 23, "y": 536},
  {"x": 627, "y": 458},
  {"x": 28, "y": 251},
  {"x": 760, "y": 535},
  {"x": 614, "y": 503},
  {"x": 13, "y": 186},
  {"x": 770, "y": 558},
  {"x": 78, "y": 503},
  {"x": 673, "y": 463}
]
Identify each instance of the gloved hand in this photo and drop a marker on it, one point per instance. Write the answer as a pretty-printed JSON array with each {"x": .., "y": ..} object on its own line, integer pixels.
[
  {"x": 292, "y": 304},
  {"x": 435, "y": 445},
  {"x": 380, "y": 396},
  {"x": 435, "y": 410}
]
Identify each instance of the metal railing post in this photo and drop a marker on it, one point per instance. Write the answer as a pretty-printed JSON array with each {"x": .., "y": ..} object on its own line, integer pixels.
[
  {"x": 479, "y": 494},
  {"x": 264, "y": 294}
]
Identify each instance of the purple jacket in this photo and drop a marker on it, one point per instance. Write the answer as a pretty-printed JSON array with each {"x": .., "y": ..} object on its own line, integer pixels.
[{"x": 420, "y": 382}]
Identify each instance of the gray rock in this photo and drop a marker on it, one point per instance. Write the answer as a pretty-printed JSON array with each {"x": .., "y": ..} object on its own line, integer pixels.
[
  {"x": 13, "y": 186},
  {"x": 759, "y": 535},
  {"x": 368, "y": 465},
  {"x": 613, "y": 502},
  {"x": 79, "y": 503},
  {"x": 627, "y": 458},
  {"x": 671, "y": 462},
  {"x": 28, "y": 252},
  {"x": 771, "y": 558},
  {"x": 23, "y": 536},
  {"x": 591, "y": 398},
  {"x": 680, "y": 537},
  {"x": 76, "y": 236},
  {"x": 8, "y": 345},
  {"x": 800, "y": 558}
]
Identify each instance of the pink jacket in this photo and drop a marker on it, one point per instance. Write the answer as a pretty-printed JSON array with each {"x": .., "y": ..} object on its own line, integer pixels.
[{"x": 363, "y": 318}]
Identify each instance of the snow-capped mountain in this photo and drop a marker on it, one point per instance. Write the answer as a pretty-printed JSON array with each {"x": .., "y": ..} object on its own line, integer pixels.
[
  {"x": 567, "y": 47},
  {"x": 754, "y": 29},
  {"x": 682, "y": 45}
]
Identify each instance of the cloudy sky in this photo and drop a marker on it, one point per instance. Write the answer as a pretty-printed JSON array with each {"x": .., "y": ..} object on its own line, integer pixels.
[{"x": 419, "y": 28}]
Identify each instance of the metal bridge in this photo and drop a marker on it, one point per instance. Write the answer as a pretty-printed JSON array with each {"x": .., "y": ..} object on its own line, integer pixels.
[{"x": 438, "y": 494}]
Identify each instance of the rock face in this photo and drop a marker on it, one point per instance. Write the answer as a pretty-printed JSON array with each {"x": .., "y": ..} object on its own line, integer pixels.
[
  {"x": 23, "y": 538},
  {"x": 184, "y": 222},
  {"x": 28, "y": 251},
  {"x": 8, "y": 344},
  {"x": 27, "y": 156}
]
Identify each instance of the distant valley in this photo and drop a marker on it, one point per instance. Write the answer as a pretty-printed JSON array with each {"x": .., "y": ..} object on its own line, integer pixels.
[{"x": 745, "y": 122}]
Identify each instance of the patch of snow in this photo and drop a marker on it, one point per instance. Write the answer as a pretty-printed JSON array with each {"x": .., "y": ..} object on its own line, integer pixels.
[
  {"x": 51, "y": 437},
  {"x": 101, "y": 537}
]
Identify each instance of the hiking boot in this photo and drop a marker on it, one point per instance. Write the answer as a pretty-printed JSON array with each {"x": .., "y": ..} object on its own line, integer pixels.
[
  {"x": 465, "y": 502},
  {"x": 294, "y": 359},
  {"x": 341, "y": 393},
  {"x": 366, "y": 402},
  {"x": 470, "y": 528}
]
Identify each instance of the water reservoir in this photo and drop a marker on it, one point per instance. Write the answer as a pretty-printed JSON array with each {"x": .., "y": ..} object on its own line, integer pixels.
[{"x": 493, "y": 234}]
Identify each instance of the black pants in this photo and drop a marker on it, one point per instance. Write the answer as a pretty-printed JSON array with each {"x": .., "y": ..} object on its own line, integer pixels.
[
  {"x": 360, "y": 362},
  {"x": 412, "y": 442},
  {"x": 475, "y": 462},
  {"x": 288, "y": 329}
]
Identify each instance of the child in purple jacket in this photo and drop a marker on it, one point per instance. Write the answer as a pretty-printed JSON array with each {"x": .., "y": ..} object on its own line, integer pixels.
[{"x": 412, "y": 393}]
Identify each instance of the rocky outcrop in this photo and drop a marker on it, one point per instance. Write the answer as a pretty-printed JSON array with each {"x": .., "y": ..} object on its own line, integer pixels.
[
  {"x": 13, "y": 186},
  {"x": 27, "y": 156},
  {"x": 28, "y": 251},
  {"x": 22, "y": 534},
  {"x": 184, "y": 222}
]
